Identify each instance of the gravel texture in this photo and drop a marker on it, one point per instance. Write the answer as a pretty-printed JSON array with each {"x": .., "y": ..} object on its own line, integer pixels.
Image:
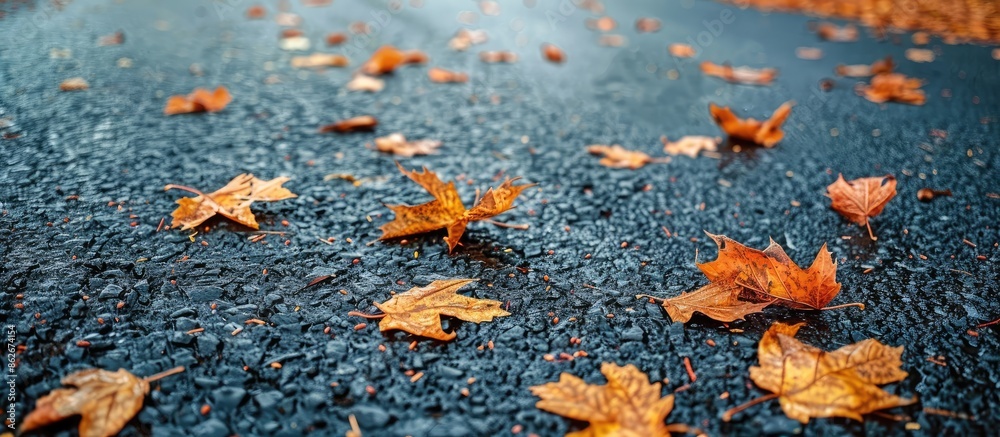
[{"x": 81, "y": 194}]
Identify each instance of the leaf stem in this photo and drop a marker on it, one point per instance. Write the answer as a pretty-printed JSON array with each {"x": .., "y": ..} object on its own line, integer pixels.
[
  {"x": 869, "y": 226},
  {"x": 522, "y": 227},
  {"x": 640, "y": 296},
  {"x": 852, "y": 304},
  {"x": 728, "y": 415},
  {"x": 367, "y": 316},
  {"x": 164, "y": 374}
]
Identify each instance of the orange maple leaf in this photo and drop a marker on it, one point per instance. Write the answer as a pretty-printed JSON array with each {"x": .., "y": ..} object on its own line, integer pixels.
[
  {"x": 387, "y": 58},
  {"x": 629, "y": 405},
  {"x": 894, "y": 87},
  {"x": 766, "y": 133},
  {"x": 743, "y": 75},
  {"x": 447, "y": 211},
  {"x": 201, "y": 100},
  {"x": 231, "y": 201},
  {"x": 862, "y": 198},
  {"x": 419, "y": 310},
  {"x": 810, "y": 382},
  {"x": 746, "y": 280},
  {"x": 616, "y": 156},
  {"x": 105, "y": 400}
]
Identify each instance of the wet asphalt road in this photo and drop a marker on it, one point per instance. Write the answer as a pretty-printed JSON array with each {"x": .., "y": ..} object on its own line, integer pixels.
[{"x": 75, "y": 260}]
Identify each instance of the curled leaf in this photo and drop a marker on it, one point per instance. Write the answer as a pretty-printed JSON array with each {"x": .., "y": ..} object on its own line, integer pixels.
[
  {"x": 74, "y": 84},
  {"x": 366, "y": 83},
  {"x": 832, "y": 32},
  {"x": 466, "y": 38},
  {"x": 679, "y": 50},
  {"x": 494, "y": 57},
  {"x": 647, "y": 25},
  {"x": 397, "y": 144},
  {"x": 440, "y": 75},
  {"x": 742, "y": 75},
  {"x": 862, "y": 198},
  {"x": 616, "y": 156},
  {"x": 766, "y": 133},
  {"x": 319, "y": 60},
  {"x": 878, "y": 67},
  {"x": 690, "y": 145},
  {"x": 553, "y": 53},
  {"x": 201, "y": 100},
  {"x": 387, "y": 58},
  {"x": 362, "y": 123}
]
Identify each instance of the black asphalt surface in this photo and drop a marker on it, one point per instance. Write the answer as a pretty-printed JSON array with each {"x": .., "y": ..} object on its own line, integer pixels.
[{"x": 75, "y": 260}]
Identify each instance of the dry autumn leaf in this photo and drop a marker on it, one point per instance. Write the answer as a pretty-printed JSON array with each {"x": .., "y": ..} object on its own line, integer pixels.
[
  {"x": 231, "y": 201},
  {"x": 387, "y": 58},
  {"x": 447, "y": 211},
  {"x": 745, "y": 281},
  {"x": 201, "y": 100},
  {"x": 809, "y": 53},
  {"x": 440, "y": 75},
  {"x": 920, "y": 55},
  {"x": 742, "y": 75},
  {"x": 105, "y": 400},
  {"x": 766, "y": 133},
  {"x": 647, "y": 25},
  {"x": 74, "y": 84},
  {"x": 862, "y": 198},
  {"x": 611, "y": 40},
  {"x": 501, "y": 56},
  {"x": 361, "y": 123},
  {"x": 466, "y": 38},
  {"x": 628, "y": 405},
  {"x": 690, "y": 145},
  {"x": 396, "y": 144},
  {"x": 114, "y": 39},
  {"x": 679, "y": 50},
  {"x": 861, "y": 70},
  {"x": 895, "y": 87},
  {"x": 553, "y": 53},
  {"x": 366, "y": 83},
  {"x": 603, "y": 24},
  {"x": 336, "y": 38},
  {"x": 616, "y": 156},
  {"x": 419, "y": 310},
  {"x": 809, "y": 382},
  {"x": 832, "y": 32},
  {"x": 319, "y": 60}
]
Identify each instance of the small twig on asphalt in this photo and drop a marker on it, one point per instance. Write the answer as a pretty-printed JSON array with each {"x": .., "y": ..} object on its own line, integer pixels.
[
  {"x": 983, "y": 325},
  {"x": 324, "y": 240},
  {"x": 951, "y": 414},
  {"x": 164, "y": 374},
  {"x": 728, "y": 415},
  {"x": 367, "y": 316},
  {"x": 896, "y": 417},
  {"x": 522, "y": 227},
  {"x": 837, "y": 307},
  {"x": 690, "y": 370}
]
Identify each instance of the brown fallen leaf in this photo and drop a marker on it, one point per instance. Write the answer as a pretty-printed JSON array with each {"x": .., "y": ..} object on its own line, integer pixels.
[
  {"x": 336, "y": 38},
  {"x": 862, "y": 198},
  {"x": 396, "y": 144},
  {"x": 616, "y": 156},
  {"x": 679, "y": 50},
  {"x": 741, "y": 75},
  {"x": 201, "y": 100},
  {"x": 611, "y": 40},
  {"x": 920, "y": 55},
  {"x": 387, "y": 58},
  {"x": 553, "y": 53},
  {"x": 419, "y": 309},
  {"x": 319, "y": 60},
  {"x": 832, "y": 32},
  {"x": 447, "y": 211},
  {"x": 466, "y": 38},
  {"x": 627, "y": 406},
  {"x": 231, "y": 201},
  {"x": 603, "y": 24},
  {"x": 878, "y": 67},
  {"x": 928, "y": 194},
  {"x": 365, "y": 83},
  {"x": 647, "y": 25},
  {"x": 105, "y": 400},
  {"x": 501, "y": 56},
  {"x": 745, "y": 281},
  {"x": 114, "y": 39},
  {"x": 256, "y": 12},
  {"x": 74, "y": 84},
  {"x": 362, "y": 123},
  {"x": 690, "y": 145},
  {"x": 809, "y": 53},
  {"x": 766, "y": 133},
  {"x": 810, "y": 382},
  {"x": 440, "y": 75}
]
